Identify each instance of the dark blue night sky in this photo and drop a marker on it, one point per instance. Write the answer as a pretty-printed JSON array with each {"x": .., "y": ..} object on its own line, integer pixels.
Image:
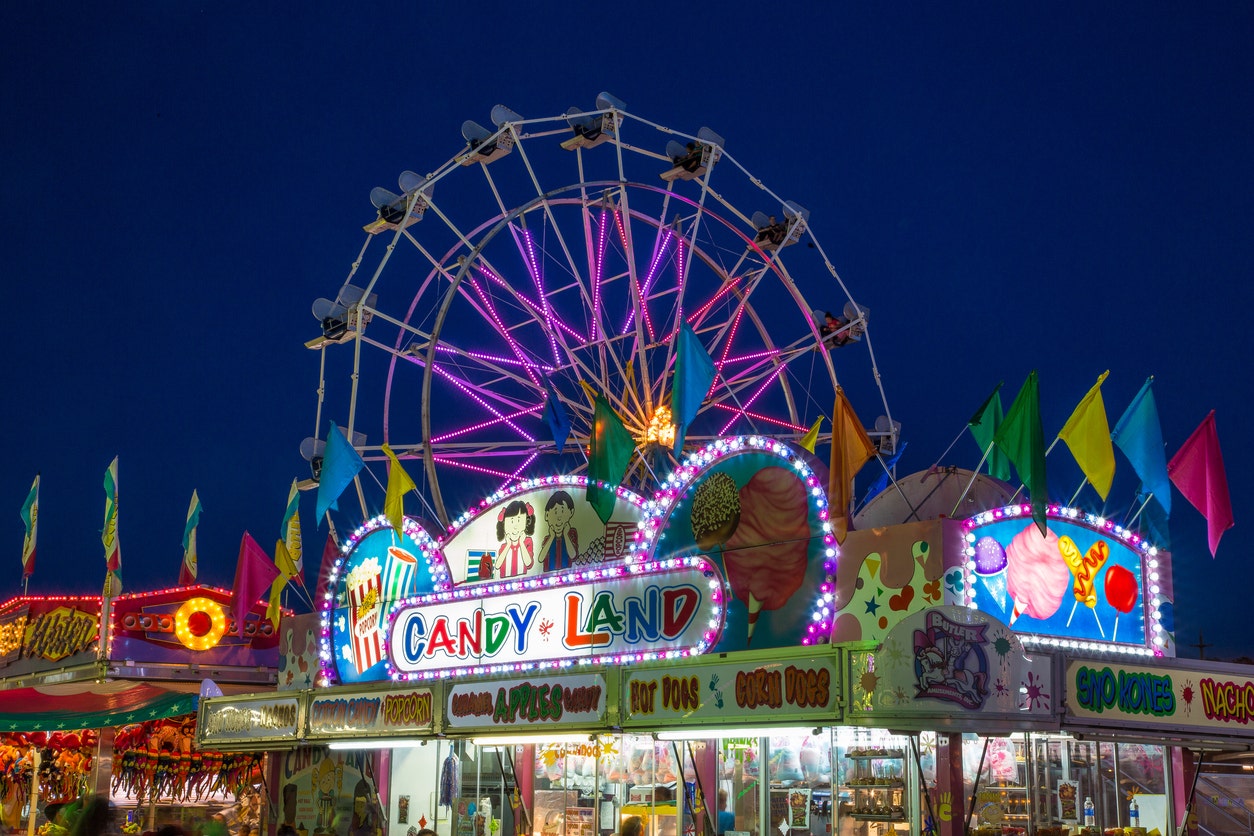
[{"x": 1065, "y": 188}]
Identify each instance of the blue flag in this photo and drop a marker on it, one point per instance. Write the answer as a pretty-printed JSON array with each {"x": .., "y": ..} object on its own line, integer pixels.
[
  {"x": 694, "y": 374},
  {"x": 1140, "y": 437},
  {"x": 882, "y": 482},
  {"x": 555, "y": 415},
  {"x": 340, "y": 463}
]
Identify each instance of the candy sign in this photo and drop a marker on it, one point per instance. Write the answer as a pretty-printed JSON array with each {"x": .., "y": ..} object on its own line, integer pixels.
[
  {"x": 541, "y": 700},
  {"x": 673, "y": 609},
  {"x": 372, "y": 713}
]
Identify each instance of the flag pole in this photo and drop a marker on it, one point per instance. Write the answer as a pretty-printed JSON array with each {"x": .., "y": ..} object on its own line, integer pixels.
[
  {"x": 1077, "y": 491},
  {"x": 975, "y": 475},
  {"x": 1148, "y": 497}
]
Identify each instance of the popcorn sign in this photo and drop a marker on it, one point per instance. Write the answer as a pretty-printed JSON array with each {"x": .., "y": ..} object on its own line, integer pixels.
[{"x": 364, "y": 611}]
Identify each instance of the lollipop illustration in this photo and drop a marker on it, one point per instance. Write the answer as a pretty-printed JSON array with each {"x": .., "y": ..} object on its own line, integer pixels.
[
  {"x": 763, "y": 529},
  {"x": 1084, "y": 569},
  {"x": 1121, "y": 593}
]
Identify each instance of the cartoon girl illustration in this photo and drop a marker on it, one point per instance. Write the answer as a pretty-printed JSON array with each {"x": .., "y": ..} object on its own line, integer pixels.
[
  {"x": 514, "y": 527},
  {"x": 561, "y": 543}
]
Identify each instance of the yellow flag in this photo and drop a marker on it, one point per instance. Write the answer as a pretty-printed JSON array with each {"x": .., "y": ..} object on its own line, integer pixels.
[
  {"x": 812, "y": 435},
  {"x": 589, "y": 392},
  {"x": 851, "y": 448},
  {"x": 1088, "y": 436},
  {"x": 399, "y": 484},
  {"x": 287, "y": 568}
]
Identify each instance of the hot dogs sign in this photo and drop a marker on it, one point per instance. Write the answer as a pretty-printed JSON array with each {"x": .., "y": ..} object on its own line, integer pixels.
[{"x": 734, "y": 552}]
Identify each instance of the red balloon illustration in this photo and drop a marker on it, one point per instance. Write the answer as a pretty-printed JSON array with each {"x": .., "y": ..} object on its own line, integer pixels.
[{"x": 1121, "y": 589}]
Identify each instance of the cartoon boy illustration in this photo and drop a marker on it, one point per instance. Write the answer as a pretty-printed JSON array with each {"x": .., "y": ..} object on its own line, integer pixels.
[
  {"x": 561, "y": 543},
  {"x": 328, "y": 778}
]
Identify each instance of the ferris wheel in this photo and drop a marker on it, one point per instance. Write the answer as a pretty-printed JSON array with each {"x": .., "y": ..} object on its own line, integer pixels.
[{"x": 553, "y": 260}]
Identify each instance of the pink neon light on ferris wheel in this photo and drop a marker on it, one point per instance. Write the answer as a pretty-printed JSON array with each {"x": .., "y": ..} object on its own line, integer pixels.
[
  {"x": 504, "y": 419},
  {"x": 731, "y": 335},
  {"x": 659, "y": 250},
  {"x": 500, "y": 326},
  {"x": 742, "y": 410},
  {"x": 471, "y": 467},
  {"x": 532, "y": 307},
  {"x": 768, "y": 419},
  {"x": 700, "y": 313},
  {"x": 533, "y": 267},
  {"x": 596, "y": 279},
  {"x": 513, "y": 477},
  {"x": 491, "y": 358},
  {"x": 757, "y": 355},
  {"x": 465, "y": 387}
]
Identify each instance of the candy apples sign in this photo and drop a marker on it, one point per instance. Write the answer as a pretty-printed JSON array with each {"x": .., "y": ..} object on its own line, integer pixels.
[{"x": 606, "y": 614}]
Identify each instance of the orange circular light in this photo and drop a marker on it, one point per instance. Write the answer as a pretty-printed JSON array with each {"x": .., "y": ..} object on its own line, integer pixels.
[{"x": 200, "y": 624}]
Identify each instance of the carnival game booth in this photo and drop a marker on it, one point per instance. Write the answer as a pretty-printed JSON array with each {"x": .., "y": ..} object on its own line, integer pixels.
[{"x": 118, "y": 716}]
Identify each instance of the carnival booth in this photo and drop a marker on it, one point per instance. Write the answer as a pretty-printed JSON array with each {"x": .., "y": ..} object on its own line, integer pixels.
[
  {"x": 118, "y": 716},
  {"x": 530, "y": 616}
]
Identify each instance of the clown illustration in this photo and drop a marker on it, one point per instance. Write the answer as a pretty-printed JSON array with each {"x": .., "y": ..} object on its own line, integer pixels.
[{"x": 328, "y": 781}]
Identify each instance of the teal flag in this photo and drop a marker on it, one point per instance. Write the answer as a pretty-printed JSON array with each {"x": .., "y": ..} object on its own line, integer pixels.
[
  {"x": 1023, "y": 439},
  {"x": 340, "y": 463},
  {"x": 983, "y": 425},
  {"x": 612, "y": 449},
  {"x": 694, "y": 374},
  {"x": 1140, "y": 437}
]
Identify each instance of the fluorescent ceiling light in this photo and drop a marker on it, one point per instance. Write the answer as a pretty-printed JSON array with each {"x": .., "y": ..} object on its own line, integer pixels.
[
  {"x": 512, "y": 739},
  {"x": 724, "y": 733},
  {"x": 374, "y": 743}
]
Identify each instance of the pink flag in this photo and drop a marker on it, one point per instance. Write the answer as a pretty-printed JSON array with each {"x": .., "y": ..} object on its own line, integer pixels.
[
  {"x": 330, "y": 551},
  {"x": 1197, "y": 471},
  {"x": 254, "y": 573}
]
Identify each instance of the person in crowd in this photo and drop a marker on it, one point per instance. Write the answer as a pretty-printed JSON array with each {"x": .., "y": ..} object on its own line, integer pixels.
[
  {"x": 632, "y": 826},
  {"x": 726, "y": 818}
]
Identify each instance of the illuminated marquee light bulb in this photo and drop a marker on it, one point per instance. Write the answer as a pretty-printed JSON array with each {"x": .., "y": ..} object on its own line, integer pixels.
[{"x": 200, "y": 624}]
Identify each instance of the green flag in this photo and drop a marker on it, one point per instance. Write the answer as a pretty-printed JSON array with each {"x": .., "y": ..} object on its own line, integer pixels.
[
  {"x": 983, "y": 425},
  {"x": 612, "y": 448},
  {"x": 1023, "y": 440}
]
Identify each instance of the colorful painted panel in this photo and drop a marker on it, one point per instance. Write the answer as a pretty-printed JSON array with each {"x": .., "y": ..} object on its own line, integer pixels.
[
  {"x": 1086, "y": 579},
  {"x": 325, "y": 793},
  {"x": 547, "y": 526},
  {"x": 758, "y": 512},
  {"x": 886, "y": 574},
  {"x": 951, "y": 662}
]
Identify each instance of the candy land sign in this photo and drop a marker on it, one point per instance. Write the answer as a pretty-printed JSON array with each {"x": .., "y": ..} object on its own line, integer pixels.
[
  {"x": 954, "y": 662},
  {"x": 1085, "y": 579},
  {"x": 602, "y": 613}
]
